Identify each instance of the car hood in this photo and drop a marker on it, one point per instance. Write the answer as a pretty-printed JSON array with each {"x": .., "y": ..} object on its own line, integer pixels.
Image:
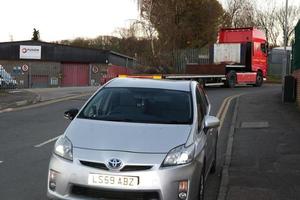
[{"x": 123, "y": 136}]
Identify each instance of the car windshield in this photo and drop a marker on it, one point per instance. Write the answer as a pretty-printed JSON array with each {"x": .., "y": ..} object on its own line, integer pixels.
[{"x": 141, "y": 105}]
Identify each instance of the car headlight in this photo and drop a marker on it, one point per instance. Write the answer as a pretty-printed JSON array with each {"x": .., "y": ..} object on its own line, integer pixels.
[
  {"x": 64, "y": 148},
  {"x": 179, "y": 156}
]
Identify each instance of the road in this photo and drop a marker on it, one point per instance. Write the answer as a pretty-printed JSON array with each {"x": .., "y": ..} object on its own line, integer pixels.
[{"x": 24, "y": 158}]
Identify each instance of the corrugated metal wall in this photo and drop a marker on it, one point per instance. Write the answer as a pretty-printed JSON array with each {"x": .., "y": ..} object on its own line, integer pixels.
[
  {"x": 39, "y": 74},
  {"x": 75, "y": 74},
  {"x": 275, "y": 62}
]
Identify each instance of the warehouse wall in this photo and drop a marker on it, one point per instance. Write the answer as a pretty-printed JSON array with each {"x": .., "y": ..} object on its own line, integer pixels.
[
  {"x": 98, "y": 73},
  {"x": 40, "y": 74}
]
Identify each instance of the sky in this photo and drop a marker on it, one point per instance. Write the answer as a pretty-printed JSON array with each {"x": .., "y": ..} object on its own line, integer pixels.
[
  {"x": 68, "y": 19},
  {"x": 63, "y": 19}
]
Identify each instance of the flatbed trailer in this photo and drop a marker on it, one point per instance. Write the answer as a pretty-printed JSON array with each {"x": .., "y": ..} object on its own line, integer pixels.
[{"x": 239, "y": 57}]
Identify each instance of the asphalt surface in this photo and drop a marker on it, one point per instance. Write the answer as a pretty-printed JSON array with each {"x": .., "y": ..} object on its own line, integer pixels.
[{"x": 24, "y": 167}]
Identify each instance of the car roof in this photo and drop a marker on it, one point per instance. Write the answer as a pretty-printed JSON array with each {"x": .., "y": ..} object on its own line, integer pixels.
[{"x": 150, "y": 83}]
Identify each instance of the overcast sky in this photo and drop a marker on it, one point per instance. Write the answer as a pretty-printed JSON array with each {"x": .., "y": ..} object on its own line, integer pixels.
[
  {"x": 63, "y": 19},
  {"x": 66, "y": 19}
]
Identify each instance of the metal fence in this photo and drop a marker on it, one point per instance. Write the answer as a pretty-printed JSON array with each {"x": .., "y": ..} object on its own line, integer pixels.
[{"x": 183, "y": 57}]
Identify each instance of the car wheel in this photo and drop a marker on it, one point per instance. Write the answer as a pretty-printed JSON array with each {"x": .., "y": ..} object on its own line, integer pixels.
[
  {"x": 259, "y": 79},
  {"x": 201, "y": 186},
  {"x": 231, "y": 79}
]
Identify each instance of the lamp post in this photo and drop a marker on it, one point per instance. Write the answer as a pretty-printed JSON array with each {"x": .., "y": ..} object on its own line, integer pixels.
[{"x": 285, "y": 59}]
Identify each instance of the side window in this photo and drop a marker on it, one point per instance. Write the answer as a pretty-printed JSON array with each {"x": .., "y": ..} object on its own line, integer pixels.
[
  {"x": 199, "y": 107},
  {"x": 204, "y": 102},
  {"x": 264, "y": 48}
]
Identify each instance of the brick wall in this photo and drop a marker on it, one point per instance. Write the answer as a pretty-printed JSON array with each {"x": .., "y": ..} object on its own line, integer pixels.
[{"x": 297, "y": 75}]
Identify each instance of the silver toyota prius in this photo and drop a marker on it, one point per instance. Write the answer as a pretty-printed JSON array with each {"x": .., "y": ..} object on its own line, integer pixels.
[{"x": 136, "y": 139}]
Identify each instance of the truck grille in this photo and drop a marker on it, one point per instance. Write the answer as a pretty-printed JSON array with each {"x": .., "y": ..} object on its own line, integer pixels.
[
  {"x": 126, "y": 168},
  {"x": 85, "y": 192}
]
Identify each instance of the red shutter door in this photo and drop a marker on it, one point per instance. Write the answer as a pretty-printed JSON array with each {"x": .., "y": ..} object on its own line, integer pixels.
[{"x": 75, "y": 74}]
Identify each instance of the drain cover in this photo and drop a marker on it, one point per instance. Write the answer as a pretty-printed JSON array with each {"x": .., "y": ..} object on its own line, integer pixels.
[{"x": 255, "y": 125}]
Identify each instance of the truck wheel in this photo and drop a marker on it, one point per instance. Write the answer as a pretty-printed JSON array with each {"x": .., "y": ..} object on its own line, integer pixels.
[
  {"x": 259, "y": 79},
  {"x": 231, "y": 79}
]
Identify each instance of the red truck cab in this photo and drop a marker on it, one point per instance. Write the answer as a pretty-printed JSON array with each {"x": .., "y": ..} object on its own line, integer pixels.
[{"x": 256, "y": 59}]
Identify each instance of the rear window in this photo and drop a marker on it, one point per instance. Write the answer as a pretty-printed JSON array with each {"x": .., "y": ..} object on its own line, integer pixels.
[{"x": 141, "y": 105}]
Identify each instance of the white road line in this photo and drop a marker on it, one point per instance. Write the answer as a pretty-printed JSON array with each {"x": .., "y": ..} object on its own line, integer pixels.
[
  {"x": 46, "y": 142},
  {"x": 1, "y": 162}
]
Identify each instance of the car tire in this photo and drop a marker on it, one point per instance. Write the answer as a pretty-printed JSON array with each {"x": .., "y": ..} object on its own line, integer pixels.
[
  {"x": 201, "y": 185},
  {"x": 231, "y": 79},
  {"x": 259, "y": 79}
]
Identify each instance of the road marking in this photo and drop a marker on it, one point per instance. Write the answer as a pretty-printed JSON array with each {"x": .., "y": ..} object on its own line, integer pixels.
[
  {"x": 1, "y": 162},
  {"x": 224, "y": 109},
  {"x": 46, "y": 142},
  {"x": 256, "y": 125}
]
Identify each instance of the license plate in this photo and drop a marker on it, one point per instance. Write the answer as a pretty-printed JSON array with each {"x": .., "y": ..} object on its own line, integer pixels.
[{"x": 110, "y": 180}]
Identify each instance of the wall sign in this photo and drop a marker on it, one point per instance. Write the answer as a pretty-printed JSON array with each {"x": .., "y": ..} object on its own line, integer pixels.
[
  {"x": 95, "y": 69},
  {"x": 25, "y": 68},
  {"x": 30, "y": 52}
]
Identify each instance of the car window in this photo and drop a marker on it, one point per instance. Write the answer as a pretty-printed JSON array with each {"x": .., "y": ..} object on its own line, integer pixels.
[
  {"x": 140, "y": 105},
  {"x": 204, "y": 102},
  {"x": 199, "y": 107}
]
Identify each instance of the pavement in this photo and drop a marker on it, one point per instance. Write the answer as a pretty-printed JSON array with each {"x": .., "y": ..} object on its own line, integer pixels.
[
  {"x": 16, "y": 98},
  {"x": 23, "y": 97},
  {"x": 265, "y": 153}
]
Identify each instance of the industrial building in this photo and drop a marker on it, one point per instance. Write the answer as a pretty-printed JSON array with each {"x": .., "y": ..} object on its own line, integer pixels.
[{"x": 41, "y": 64}]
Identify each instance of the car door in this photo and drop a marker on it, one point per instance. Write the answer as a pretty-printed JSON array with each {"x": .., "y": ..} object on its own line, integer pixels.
[
  {"x": 204, "y": 107},
  {"x": 201, "y": 131}
]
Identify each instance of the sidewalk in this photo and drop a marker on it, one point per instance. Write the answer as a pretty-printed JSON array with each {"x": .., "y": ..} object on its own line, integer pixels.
[
  {"x": 16, "y": 98},
  {"x": 23, "y": 97},
  {"x": 47, "y": 94},
  {"x": 265, "y": 162}
]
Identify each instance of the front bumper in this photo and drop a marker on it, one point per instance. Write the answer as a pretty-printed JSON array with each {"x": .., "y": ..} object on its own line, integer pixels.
[{"x": 163, "y": 181}]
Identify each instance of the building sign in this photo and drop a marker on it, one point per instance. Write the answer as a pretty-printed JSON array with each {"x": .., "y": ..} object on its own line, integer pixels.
[{"x": 30, "y": 52}]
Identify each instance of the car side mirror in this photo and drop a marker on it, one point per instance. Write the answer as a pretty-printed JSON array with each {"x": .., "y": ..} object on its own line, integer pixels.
[
  {"x": 211, "y": 122},
  {"x": 71, "y": 114}
]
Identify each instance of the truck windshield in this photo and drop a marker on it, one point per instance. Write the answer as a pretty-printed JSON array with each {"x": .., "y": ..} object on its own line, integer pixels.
[{"x": 141, "y": 105}]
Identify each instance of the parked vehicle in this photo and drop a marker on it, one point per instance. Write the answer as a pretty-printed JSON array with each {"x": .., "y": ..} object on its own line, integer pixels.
[
  {"x": 131, "y": 141},
  {"x": 6, "y": 81},
  {"x": 239, "y": 57}
]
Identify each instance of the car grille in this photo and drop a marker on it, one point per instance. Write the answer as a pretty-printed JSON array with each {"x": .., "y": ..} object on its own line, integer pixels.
[
  {"x": 127, "y": 168},
  {"x": 100, "y": 194},
  {"x": 94, "y": 165}
]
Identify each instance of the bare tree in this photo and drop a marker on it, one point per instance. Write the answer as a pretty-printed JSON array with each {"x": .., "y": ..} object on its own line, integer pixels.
[
  {"x": 148, "y": 28},
  {"x": 293, "y": 17},
  {"x": 267, "y": 20},
  {"x": 241, "y": 13}
]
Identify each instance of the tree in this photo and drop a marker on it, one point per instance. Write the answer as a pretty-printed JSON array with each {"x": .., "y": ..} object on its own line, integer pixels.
[
  {"x": 241, "y": 13},
  {"x": 184, "y": 23},
  {"x": 267, "y": 20},
  {"x": 293, "y": 17},
  {"x": 35, "y": 35}
]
